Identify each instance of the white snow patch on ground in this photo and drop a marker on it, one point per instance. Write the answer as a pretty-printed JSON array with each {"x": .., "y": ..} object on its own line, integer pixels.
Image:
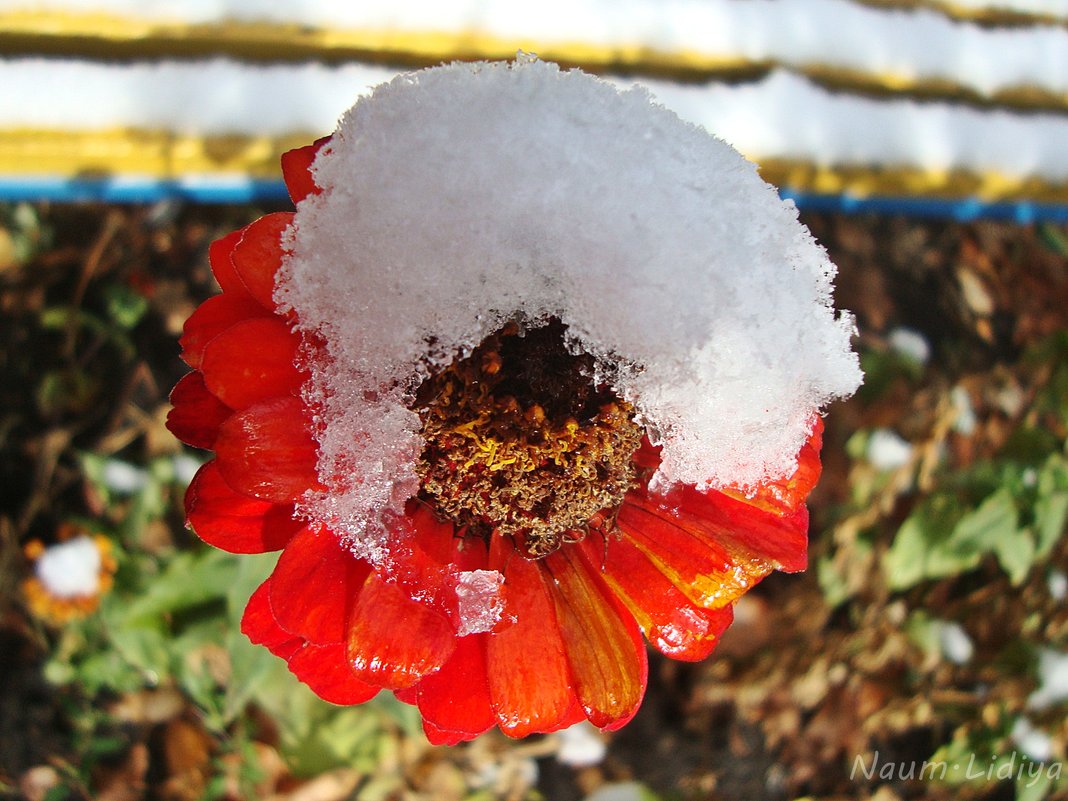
[
  {"x": 1052, "y": 678},
  {"x": 581, "y": 745},
  {"x": 1035, "y": 743},
  {"x": 887, "y": 450},
  {"x": 911, "y": 344}
]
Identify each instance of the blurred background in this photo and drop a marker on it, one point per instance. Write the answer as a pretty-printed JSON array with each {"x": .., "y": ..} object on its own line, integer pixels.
[{"x": 923, "y": 141}]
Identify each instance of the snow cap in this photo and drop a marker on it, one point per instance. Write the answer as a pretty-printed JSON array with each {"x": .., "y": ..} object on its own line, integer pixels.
[{"x": 459, "y": 198}]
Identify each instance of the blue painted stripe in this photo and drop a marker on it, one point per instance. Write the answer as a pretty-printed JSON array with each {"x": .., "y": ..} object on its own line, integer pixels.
[
  {"x": 960, "y": 209},
  {"x": 141, "y": 190},
  {"x": 212, "y": 190}
]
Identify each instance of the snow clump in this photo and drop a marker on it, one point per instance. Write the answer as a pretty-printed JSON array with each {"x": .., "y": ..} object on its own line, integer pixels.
[{"x": 463, "y": 197}]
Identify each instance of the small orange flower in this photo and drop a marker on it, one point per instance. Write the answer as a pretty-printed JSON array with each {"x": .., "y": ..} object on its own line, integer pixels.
[{"x": 70, "y": 577}]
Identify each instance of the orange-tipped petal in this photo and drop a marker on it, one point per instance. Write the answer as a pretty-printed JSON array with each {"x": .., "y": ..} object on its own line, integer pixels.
[
  {"x": 750, "y": 534},
  {"x": 711, "y": 557},
  {"x": 604, "y": 647},
  {"x": 197, "y": 414},
  {"x": 395, "y": 641},
  {"x": 785, "y": 496},
  {"x": 258, "y": 256},
  {"x": 314, "y": 584},
  {"x": 671, "y": 622},
  {"x": 326, "y": 670},
  {"x": 219, "y": 253},
  {"x": 528, "y": 675},
  {"x": 259, "y": 625},
  {"x": 234, "y": 522},
  {"x": 267, "y": 452},
  {"x": 296, "y": 170},
  {"x": 253, "y": 361},
  {"x": 211, "y": 318},
  {"x": 456, "y": 698}
]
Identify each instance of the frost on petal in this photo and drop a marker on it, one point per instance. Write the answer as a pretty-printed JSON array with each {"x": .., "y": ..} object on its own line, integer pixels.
[
  {"x": 460, "y": 198},
  {"x": 479, "y": 600}
]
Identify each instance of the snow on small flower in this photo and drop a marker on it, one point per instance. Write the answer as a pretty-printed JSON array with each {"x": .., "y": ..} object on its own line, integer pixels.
[
  {"x": 70, "y": 576},
  {"x": 535, "y": 369}
]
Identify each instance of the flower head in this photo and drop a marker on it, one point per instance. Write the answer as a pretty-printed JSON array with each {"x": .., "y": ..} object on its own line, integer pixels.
[
  {"x": 70, "y": 576},
  {"x": 533, "y": 370}
]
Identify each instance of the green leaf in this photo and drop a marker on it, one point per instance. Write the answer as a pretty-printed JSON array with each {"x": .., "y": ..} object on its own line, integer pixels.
[
  {"x": 190, "y": 579},
  {"x": 1051, "y": 507},
  {"x": 931, "y": 545},
  {"x": 919, "y": 550},
  {"x": 984, "y": 528},
  {"x": 145, "y": 648},
  {"x": 126, "y": 307}
]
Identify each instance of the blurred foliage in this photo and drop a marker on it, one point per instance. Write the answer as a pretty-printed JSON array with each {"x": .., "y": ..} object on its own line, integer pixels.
[{"x": 920, "y": 633}]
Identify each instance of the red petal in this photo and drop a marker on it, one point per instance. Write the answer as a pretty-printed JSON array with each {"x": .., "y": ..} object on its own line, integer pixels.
[
  {"x": 266, "y": 451},
  {"x": 234, "y": 522},
  {"x": 671, "y": 622},
  {"x": 296, "y": 170},
  {"x": 253, "y": 361},
  {"x": 436, "y": 736},
  {"x": 210, "y": 319},
  {"x": 528, "y": 674},
  {"x": 219, "y": 254},
  {"x": 326, "y": 670},
  {"x": 393, "y": 640},
  {"x": 259, "y": 625},
  {"x": 456, "y": 698},
  {"x": 197, "y": 414},
  {"x": 604, "y": 646},
  {"x": 258, "y": 256},
  {"x": 314, "y": 584}
]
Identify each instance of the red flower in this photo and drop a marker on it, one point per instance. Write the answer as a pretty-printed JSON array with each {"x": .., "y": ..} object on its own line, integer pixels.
[{"x": 564, "y": 638}]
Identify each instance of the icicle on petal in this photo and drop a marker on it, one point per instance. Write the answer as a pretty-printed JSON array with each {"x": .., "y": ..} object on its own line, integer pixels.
[
  {"x": 394, "y": 641},
  {"x": 296, "y": 170},
  {"x": 672, "y": 624},
  {"x": 259, "y": 625},
  {"x": 313, "y": 584},
  {"x": 210, "y": 319},
  {"x": 253, "y": 361},
  {"x": 234, "y": 522},
  {"x": 196, "y": 414},
  {"x": 265, "y": 451},
  {"x": 259, "y": 254},
  {"x": 325, "y": 669}
]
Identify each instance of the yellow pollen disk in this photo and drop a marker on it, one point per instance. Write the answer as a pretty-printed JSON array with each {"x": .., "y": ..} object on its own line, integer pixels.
[{"x": 520, "y": 443}]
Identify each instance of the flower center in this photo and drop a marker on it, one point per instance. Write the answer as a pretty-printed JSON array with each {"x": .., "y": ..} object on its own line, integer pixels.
[{"x": 521, "y": 442}]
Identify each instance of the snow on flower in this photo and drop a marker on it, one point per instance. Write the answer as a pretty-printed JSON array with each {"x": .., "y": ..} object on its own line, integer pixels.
[
  {"x": 534, "y": 369},
  {"x": 70, "y": 576}
]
